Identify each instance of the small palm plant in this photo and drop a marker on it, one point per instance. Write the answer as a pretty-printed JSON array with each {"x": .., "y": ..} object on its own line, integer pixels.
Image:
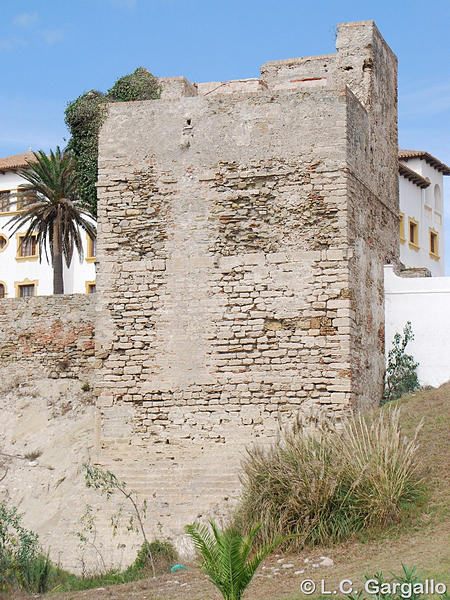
[
  {"x": 53, "y": 211},
  {"x": 228, "y": 558}
]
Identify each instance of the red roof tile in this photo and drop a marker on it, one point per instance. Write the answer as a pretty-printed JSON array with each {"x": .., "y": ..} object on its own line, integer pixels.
[{"x": 16, "y": 161}]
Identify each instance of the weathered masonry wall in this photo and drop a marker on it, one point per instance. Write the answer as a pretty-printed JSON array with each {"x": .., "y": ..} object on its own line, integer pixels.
[
  {"x": 372, "y": 195},
  {"x": 55, "y": 333},
  {"x": 47, "y": 424},
  {"x": 243, "y": 227}
]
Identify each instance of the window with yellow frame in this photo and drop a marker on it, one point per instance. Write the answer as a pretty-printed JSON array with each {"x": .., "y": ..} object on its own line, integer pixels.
[
  {"x": 26, "y": 288},
  {"x": 91, "y": 248},
  {"x": 24, "y": 199},
  {"x": 3, "y": 242},
  {"x": 27, "y": 249},
  {"x": 434, "y": 244},
  {"x": 413, "y": 233},
  {"x": 5, "y": 201},
  {"x": 402, "y": 227},
  {"x": 14, "y": 201},
  {"x": 90, "y": 287}
]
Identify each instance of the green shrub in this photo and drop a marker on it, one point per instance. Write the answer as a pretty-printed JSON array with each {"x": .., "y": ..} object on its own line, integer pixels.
[
  {"x": 154, "y": 557},
  {"x": 163, "y": 554},
  {"x": 325, "y": 484},
  {"x": 84, "y": 117},
  {"x": 401, "y": 371},
  {"x": 37, "y": 574},
  {"x": 22, "y": 565},
  {"x": 140, "y": 85}
]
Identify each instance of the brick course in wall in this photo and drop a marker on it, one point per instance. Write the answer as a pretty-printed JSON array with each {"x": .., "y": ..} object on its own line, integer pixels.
[{"x": 54, "y": 332}]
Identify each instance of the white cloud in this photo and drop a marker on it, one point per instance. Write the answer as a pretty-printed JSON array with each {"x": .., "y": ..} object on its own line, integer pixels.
[
  {"x": 9, "y": 44},
  {"x": 26, "y": 20},
  {"x": 52, "y": 36}
]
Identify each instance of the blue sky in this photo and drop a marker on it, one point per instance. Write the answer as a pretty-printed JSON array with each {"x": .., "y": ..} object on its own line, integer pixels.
[{"x": 54, "y": 50}]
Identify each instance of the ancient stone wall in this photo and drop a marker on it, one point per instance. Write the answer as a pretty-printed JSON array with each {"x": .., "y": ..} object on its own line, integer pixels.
[
  {"x": 372, "y": 193},
  {"x": 243, "y": 227},
  {"x": 55, "y": 333}
]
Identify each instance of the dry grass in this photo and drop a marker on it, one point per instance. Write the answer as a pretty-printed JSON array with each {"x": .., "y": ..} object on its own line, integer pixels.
[{"x": 325, "y": 484}]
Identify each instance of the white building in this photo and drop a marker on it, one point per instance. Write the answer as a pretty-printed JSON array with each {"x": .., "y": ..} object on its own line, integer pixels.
[
  {"x": 22, "y": 273},
  {"x": 422, "y": 210}
]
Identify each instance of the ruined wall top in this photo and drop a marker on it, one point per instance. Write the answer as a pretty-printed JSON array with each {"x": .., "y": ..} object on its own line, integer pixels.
[
  {"x": 342, "y": 107},
  {"x": 359, "y": 47}
]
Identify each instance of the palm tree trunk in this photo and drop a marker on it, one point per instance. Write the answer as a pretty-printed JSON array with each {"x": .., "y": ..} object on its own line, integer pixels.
[
  {"x": 57, "y": 258},
  {"x": 58, "y": 282}
]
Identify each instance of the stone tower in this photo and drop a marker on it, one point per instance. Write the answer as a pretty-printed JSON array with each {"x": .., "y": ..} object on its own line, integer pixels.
[{"x": 243, "y": 229}]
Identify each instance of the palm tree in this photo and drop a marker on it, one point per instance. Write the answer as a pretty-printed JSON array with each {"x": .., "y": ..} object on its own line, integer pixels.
[
  {"x": 227, "y": 556},
  {"x": 54, "y": 212}
]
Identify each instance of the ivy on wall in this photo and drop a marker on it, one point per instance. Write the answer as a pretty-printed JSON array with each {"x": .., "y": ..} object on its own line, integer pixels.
[
  {"x": 84, "y": 117},
  {"x": 140, "y": 85}
]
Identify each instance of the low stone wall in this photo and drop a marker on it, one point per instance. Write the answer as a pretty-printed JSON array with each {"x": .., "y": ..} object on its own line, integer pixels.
[{"x": 54, "y": 332}]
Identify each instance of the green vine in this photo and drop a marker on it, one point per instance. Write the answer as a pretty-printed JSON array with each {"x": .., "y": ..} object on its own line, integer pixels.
[
  {"x": 85, "y": 116},
  {"x": 140, "y": 85}
]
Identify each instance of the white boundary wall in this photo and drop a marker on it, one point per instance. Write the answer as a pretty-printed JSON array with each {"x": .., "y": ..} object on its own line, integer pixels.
[{"x": 425, "y": 301}]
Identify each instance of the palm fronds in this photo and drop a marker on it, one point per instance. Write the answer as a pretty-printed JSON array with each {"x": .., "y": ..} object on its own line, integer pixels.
[
  {"x": 55, "y": 213},
  {"x": 228, "y": 558}
]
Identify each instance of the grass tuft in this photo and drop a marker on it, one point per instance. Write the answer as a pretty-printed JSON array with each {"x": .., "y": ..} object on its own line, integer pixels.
[{"x": 326, "y": 484}]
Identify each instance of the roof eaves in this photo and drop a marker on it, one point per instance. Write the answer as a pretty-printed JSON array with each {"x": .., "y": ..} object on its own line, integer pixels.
[
  {"x": 427, "y": 157},
  {"x": 408, "y": 173}
]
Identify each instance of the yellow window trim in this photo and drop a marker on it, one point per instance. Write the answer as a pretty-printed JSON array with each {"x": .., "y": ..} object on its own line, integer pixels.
[
  {"x": 90, "y": 257},
  {"x": 20, "y": 258},
  {"x": 6, "y": 213},
  {"x": 6, "y": 289},
  {"x": 413, "y": 244},
  {"x": 433, "y": 255},
  {"x": 402, "y": 227},
  {"x": 26, "y": 281},
  {"x": 2, "y": 235},
  {"x": 88, "y": 286}
]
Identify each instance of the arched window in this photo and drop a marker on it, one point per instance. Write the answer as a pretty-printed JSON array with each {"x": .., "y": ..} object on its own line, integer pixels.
[
  {"x": 3, "y": 242},
  {"x": 437, "y": 199},
  {"x": 2, "y": 290}
]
